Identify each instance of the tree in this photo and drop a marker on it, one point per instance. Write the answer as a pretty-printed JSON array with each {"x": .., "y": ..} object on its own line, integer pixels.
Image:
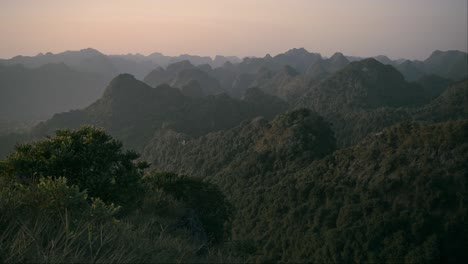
[
  {"x": 203, "y": 200},
  {"x": 88, "y": 158}
]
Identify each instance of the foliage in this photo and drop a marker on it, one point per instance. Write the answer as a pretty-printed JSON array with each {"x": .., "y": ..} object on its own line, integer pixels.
[
  {"x": 53, "y": 222},
  {"x": 201, "y": 200},
  {"x": 399, "y": 196},
  {"x": 88, "y": 157},
  {"x": 55, "y": 218}
]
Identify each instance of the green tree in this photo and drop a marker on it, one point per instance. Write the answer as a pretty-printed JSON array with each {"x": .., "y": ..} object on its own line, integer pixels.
[
  {"x": 202, "y": 200},
  {"x": 88, "y": 157}
]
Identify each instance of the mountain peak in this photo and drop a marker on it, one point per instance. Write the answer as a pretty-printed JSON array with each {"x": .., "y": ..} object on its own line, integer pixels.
[
  {"x": 339, "y": 58},
  {"x": 121, "y": 83},
  {"x": 367, "y": 63},
  {"x": 337, "y": 55},
  {"x": 91, "y": 51},
  {"x": 180, "y": 65},
  {"x": 297, "y": 51},
  {"x": 384, "y": 59}
]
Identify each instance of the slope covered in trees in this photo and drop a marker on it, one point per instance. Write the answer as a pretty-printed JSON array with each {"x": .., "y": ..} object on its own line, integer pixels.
[
  {"x": 364, "y": 166},
  {"x": 368, "y": 96},
  {"x": 399, "y": 196}
]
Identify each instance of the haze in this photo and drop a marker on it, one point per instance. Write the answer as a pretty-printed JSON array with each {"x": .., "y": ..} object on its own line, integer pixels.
[{"x": 399, "y": 28}]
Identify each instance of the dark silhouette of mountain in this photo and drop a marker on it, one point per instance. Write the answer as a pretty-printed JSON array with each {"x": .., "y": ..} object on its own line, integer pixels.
[
  {"x": 158, "y": 76},
  {"x": 38, "y": 93},
  {"x": 220, "y": 60},
  {"x": 275, "y": 83},
  {"x": 158, "y": 59},
  {"x": 336, "y": 62},
  {"x": 132, "y": 111},
  {"x": 433, "y": 84},
  {"x": 286, "y": 75},
  {"x": 192, "y": 89},
  {"x": 208, "y": 84},
  {"x": 451, "y": 64},
  {"x": 235, "y": 79},
  {"x": 91, "y": 60},
  {"x": 368, "y": 96},
  {"x": 325, "y": 68},
  {"x": 86, "y": 60},
  {"x": 180, "y": 74},
  {"x": 412, "y": 70},
  {"x": 363, "y": 84},
  {"x": 452, "y": 104},
  {"x": 300, "y": 59},
  {"x": 384, "y": 60}
]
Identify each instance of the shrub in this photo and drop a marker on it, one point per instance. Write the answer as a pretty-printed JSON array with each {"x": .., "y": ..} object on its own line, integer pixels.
[{"x": 88, "y": 157}]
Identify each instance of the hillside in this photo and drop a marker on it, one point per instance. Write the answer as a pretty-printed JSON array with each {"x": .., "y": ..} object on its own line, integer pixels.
[
  {"x": 132, "y": 111},
  {"x": 367, "y": 96},
  {"x": 293, "y": 204},
  {"x": 451, "y": 64},
  {"x": 396, "y": 197}
]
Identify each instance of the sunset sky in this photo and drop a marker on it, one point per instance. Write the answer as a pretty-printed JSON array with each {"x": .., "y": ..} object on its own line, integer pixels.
[{"x": 397, "y": 28}]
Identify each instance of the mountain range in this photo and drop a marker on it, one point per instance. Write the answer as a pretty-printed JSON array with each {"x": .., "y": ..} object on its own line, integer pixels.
[
  {"x": 339, "y": 159},
  {"x": 82, "y": 75}
]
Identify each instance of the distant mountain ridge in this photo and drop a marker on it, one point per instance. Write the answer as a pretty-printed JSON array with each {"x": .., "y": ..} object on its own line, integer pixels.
[
  {"x": 367, "y": 96},
  {"x": 340, "y": 90},
  {"x": 323, "y": 160},
  {"x": 132, "y": 111},
  {"x": 91, "y": 60}
]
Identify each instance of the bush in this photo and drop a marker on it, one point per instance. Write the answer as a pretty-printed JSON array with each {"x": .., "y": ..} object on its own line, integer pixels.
[
  {"x": 203, "y": 202},
  {"x": 88, "y": 157}
]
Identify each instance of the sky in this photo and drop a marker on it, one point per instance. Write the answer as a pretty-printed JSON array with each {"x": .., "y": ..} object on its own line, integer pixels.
[{"x": 396, "y": 28}]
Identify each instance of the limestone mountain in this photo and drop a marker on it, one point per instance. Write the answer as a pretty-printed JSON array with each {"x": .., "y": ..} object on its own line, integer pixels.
[
  {"x": 452, "y": 104},
  {"x": 132, "y": 111},
  {"x": 368, "y": 96},
  {"x": 433, "y": 85},
  {"x": 412, "y": 70},
  {"x": 336, "y": 62},
  {"x": 180, "y": 74},
  {"x": 300, "y": 59},
  {"x": 384, "y": 60},
  {"x": 162, "y": 75},
  {"x": 208, "y": 84},
  {"x": 364, "y": 84},
  {"x": 450, "y": 64}
]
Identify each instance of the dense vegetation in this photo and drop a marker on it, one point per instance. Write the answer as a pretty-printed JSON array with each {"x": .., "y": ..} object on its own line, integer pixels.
[
  {"x": 286, "y": 158},
  {"x": 78, "y": 197},
  {"x": 399, "y": 196}
]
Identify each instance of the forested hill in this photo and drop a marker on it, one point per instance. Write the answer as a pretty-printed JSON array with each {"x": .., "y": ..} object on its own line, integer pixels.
[
  {"x": 389, "y": 198},
  {"x": 290, "y": 139},
  {"x": 367, "y": 96},
  {"x": 324, "y": 161}
]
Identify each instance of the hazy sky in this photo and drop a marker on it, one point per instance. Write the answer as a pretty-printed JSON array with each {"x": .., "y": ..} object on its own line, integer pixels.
[{"x": 397, "y": 28}]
